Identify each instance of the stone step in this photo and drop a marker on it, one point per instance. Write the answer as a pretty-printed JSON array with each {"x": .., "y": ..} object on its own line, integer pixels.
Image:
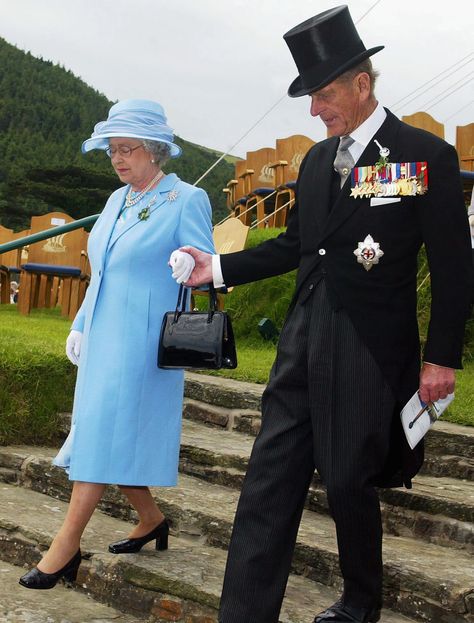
[
  {"x": 60, "y": 605},
  {"x": 419, "y": 577},
  {"x": 237, "y": 406},
  {"x": 437, "y": 462},
  {"x": 449, "y": 465},
  {"x": 182, "y": 584},
  {"x": 440, "y": 510},
  {"x": 437, "y": 510}
]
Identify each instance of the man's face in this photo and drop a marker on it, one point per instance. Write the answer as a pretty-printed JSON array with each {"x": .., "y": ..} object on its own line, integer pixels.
[{"x": 342, "y": 104}]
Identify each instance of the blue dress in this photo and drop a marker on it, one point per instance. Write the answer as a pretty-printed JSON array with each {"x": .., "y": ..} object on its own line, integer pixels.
[{"x": 126, "y": 422}]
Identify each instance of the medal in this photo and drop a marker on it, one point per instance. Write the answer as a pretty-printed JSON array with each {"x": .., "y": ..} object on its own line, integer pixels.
[{"x": 368, "y": 252}]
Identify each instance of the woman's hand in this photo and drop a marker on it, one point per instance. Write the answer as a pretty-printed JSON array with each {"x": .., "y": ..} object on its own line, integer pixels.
[
  {"x": 73, "y": 346},
  {"x": 202, "y": 272},
  {"x": 182, "y": 265}
]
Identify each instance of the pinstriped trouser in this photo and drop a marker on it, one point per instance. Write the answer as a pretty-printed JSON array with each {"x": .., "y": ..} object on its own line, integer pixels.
[{"x": 327, "y": 407}]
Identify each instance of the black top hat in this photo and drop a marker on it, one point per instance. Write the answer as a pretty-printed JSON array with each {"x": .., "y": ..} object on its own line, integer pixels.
[{"x": 324, "y": 47}]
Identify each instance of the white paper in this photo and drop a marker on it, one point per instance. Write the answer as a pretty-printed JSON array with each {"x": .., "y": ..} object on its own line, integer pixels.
[
  {"x": 418, "y": 417},
  {"x": 381, "y": 201},
  {"x": 58, "y": 221}
]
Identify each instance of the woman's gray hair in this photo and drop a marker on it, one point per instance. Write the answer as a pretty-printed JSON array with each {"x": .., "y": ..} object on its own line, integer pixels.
[{"x": 160, "y": 151}]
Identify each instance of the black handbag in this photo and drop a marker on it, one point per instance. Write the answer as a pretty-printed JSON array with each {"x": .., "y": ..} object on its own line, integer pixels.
[{"x": 194, "y": 339}]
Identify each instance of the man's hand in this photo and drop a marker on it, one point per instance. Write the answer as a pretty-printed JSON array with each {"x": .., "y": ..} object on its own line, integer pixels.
[
  {"x": 436, "y": 382},
  {"x": 202, "y": 272}
]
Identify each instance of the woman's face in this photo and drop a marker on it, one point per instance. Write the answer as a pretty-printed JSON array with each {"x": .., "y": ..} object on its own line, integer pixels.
[{"x": 136, "y": 167}]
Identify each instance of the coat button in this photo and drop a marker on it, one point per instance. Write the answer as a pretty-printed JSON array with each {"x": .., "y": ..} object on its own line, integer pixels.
[
  {"x": 100, "y": 273},
  {"x": 322, "y": 251},
  {"x": 311, "y": 286}
]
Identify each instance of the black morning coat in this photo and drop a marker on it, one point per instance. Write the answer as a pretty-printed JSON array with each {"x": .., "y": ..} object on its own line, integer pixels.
[{"x": 381, "y": 302}]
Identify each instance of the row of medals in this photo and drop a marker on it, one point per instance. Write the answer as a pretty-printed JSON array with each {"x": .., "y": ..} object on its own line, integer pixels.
[
  {"x": 403, "y": 188},
  {"x": 382, "y": 187}
]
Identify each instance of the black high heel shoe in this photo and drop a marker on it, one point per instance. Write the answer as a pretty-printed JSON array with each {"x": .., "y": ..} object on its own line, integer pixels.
[
  {"x": 39, "y": 580},
  {"x": 130, "y": 546}
]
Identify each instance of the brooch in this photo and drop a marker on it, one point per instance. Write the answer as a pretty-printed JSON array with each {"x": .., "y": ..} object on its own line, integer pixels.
[
  {"x": 172, "y": 195},
  {"x": 144, "y": 214},
  {"x": 384, "y": 153},
  {"x": 368, "y": 252}
]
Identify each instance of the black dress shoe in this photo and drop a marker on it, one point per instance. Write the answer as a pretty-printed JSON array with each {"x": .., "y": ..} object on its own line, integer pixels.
[
  {"x": 344, "y": 613},
  {"x": 39, "y": 580},
  {"x": 130, "y": 546}
]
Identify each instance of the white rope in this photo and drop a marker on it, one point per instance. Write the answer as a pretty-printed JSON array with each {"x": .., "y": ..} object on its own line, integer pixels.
[
  {"x": 459, "y": 110},
  {"x": 251, "y": 207},
  {"x": 272, "y": 214},
  {"x": 396, "y": 105},
  {"x": 421, "y": 284},
  {"x": 240, "y": 139},
  {"x": 368, "y": 11},
  {"x": 264, "y": 115},
  {"x": 438, "y": 101},
  {"x": 454, "y": 84}
]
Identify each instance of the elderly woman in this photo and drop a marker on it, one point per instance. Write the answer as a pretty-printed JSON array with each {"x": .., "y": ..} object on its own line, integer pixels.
[{"x": 127, "y": 412}]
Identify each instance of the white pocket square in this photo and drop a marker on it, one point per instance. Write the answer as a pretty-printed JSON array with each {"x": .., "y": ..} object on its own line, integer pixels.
[{"x": 382, "y": 201}]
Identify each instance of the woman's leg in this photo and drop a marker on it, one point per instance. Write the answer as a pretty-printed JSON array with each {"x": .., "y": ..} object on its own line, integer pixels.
[
  {"x": 84, "y": 499},
  {"x": 149, "y": 514}
]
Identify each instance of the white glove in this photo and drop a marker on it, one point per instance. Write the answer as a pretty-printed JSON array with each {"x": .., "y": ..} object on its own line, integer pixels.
[
  {"x": 73, "y": 346},
  {"x": 182, "y": 265}
]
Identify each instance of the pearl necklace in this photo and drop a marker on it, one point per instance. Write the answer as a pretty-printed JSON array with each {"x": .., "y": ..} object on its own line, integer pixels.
[{"x": 129, "y": 201}]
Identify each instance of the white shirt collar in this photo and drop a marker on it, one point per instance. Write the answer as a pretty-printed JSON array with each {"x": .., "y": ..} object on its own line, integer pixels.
[{"x": 367, "y": 130}]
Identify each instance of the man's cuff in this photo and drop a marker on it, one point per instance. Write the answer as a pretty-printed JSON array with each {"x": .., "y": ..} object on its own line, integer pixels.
[
  {"x": 217, "y": 276},
  {"x": 436, "y": 365}
]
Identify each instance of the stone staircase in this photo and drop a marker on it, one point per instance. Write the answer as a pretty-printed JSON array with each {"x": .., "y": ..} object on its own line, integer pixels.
[{"x": 428, "y": 543}]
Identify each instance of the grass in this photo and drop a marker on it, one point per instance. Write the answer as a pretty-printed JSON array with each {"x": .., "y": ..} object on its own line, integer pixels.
[
  {"x": 461, "y": 410},
  {"x": 254, "y": 362},
  {"x": 37, "y": 380}
]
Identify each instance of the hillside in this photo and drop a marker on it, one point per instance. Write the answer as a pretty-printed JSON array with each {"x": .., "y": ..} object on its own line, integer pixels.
[{"x": 45, "y": 114}]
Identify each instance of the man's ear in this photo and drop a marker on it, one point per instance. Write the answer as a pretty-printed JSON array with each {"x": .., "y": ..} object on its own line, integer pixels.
[{"x": 363, "y": 84}]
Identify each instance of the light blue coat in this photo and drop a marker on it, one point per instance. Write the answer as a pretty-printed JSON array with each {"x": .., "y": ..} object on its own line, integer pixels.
[{"x": 127, "y": 412}]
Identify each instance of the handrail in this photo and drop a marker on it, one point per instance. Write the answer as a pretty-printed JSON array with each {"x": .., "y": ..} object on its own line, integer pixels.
[{"x": 48, "y": 233}]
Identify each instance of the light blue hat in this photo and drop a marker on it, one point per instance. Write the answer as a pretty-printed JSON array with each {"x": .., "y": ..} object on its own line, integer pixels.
[{"x": 133, "y": 119}]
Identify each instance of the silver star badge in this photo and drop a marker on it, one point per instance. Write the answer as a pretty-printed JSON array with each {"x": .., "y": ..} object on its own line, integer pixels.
[
  {"x": 368, "y": 252},
  {"x": 172, "y": 195}
]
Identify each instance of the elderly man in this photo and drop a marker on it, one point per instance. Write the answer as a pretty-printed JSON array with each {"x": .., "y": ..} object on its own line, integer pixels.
[{"x": 348, "y": 357}]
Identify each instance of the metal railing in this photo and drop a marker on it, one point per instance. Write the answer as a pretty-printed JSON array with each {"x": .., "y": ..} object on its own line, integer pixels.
[{"x": 47, "y": 233}]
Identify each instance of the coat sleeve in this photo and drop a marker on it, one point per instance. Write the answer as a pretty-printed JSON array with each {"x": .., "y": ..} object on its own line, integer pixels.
[
  {"x": 195, "y": 225},
  {"x": 80, "y": 318},
  {"x": 445, "y": 233}
]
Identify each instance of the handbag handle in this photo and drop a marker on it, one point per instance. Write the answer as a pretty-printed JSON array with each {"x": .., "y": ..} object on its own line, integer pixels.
[{"x": 182, "y": 300}]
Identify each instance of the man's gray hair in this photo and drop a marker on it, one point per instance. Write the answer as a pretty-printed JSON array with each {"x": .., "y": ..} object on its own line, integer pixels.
[
  {"x": 160, "y": 151},
  {"x": 365, "y": 67}
]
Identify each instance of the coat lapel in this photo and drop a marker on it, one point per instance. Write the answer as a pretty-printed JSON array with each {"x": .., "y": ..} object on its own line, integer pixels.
[
  {"x": 321, "y": 184},
  {"x": 165, "y": 186},
  {"x": 112, "y": 211},
  {"x": 345, "y": 204}
]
